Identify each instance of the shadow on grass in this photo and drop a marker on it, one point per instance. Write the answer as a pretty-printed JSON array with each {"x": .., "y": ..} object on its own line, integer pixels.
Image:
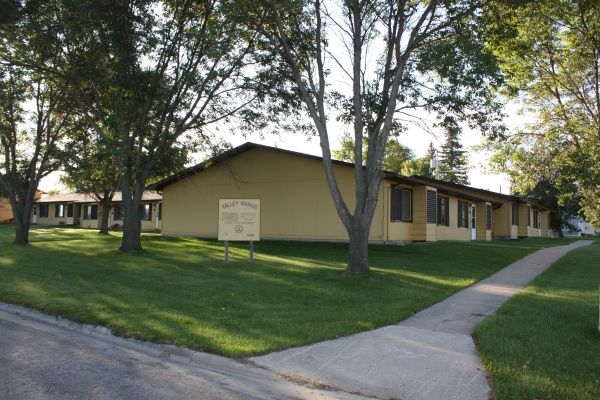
[{"x": 179, "y": 290}]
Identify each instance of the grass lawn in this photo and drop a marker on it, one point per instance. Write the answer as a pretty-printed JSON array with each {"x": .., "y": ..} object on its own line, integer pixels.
[
  {"x": 179, "y": 290},
  {"x": 544, "y": 343}
]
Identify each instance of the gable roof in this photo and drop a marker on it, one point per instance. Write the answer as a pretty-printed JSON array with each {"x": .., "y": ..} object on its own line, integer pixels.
[
  {"x": 466, "y": 192},
  {"x": 226, "y": 155}
]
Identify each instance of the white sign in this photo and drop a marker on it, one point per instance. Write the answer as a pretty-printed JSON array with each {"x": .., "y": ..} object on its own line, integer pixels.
[{"x": 239, "y": 219}]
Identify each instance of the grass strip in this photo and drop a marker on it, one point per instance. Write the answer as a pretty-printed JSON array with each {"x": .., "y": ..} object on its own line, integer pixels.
[
  {"x": 544, "y": 343},
  {"x": 180, "y": 291}
]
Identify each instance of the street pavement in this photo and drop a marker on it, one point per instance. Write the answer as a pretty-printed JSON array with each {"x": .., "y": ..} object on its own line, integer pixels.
[{"x": 42, "y": 358}]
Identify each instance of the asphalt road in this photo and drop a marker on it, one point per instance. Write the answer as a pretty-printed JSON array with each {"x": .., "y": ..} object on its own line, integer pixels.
[{"x": 40, "y": 359}]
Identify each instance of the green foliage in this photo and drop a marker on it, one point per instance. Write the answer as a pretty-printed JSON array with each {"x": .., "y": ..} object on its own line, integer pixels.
[
  {"x": 36, "y": 112},
  {"x": 550, "y": 54},
  {"x": 394, "y": 158},
  {"x": 149, "y": 76}
]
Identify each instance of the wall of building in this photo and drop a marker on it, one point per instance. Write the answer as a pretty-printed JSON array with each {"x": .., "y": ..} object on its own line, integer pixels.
[
  {"x": 295, "y": 200},
  {"x": 51, "y": 219},
  {"x": 502, "y": 226},
  {"x": 452, "y": 231},
  {"x": 545, "y": 222},
  {"x": 525, "y": 221},
  {"x": 481, "y": 221},
  {"x": 79, "y": 220},
  {"x": 401, "y": 230},
  {"x": 6, "y": 213},
  {"x": 152, "y": 224}
]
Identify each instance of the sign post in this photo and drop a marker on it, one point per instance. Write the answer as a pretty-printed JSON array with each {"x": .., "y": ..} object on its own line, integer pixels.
[{"x": 239, "y": 220}]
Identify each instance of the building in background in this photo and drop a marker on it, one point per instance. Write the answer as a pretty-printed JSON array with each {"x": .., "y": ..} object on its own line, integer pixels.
[
  {"x": 296, "y": 203},
  {"x": 82, "y": 210}
]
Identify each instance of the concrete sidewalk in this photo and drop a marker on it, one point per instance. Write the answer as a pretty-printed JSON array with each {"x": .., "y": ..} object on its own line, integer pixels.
[{"x": 428, "y": 356}]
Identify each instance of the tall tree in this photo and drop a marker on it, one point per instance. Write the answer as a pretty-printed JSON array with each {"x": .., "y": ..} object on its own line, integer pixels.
[
  {"x": 398, "y": 56},
  {"x": 35, "y": 115},
  {"x": 452, "y": 161},
  {"x": 550, "y": 51},
  {"x": 150, "y": 71}
]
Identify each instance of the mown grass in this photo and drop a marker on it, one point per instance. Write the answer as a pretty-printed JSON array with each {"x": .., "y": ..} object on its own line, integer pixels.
[
  {"x": 179, "y": 290},
  {"x": 544, "y": 343}
]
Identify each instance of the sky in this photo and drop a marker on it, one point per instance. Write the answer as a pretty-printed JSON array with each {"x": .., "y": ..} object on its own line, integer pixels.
[{"x": 416, "y": 140}]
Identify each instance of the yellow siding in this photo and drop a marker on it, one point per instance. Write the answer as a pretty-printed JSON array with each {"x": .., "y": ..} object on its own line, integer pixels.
[
  {"x": 51, "y": 219},
  {"x": 545, "y": 223},
  {"x": 502, "y": 222},
  {"x": 524, "y": 222},
  {"x": 400, "y": 231},
  {"x": 147, "y": 225},
  {"x": 453, "y": 232},
  {"x": 481, "y": 222},
  {"x": 5, "y": 209},
  {"x": 295, "y": 199}
]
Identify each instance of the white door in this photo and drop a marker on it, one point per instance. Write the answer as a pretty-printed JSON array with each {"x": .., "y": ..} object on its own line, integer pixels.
[
  {"x": 34, "y": 216},
  {"x": 473, "y": 223}
]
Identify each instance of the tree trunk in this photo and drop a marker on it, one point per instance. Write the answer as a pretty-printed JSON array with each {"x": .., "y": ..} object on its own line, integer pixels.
[
  {"x": 21, "y": 232},
  {"x": 358, "y": 248},
  {"x": 132, "y": 224},
  {"x": 132, "y": 227},
  {"x": 104, "y": 215},
  {"x": 21, "y": 213}
]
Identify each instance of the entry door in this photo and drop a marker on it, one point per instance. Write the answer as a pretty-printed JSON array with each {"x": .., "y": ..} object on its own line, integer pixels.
[
  {"x": 473, "y": 223},
  {"x": 34, "y": 216}
]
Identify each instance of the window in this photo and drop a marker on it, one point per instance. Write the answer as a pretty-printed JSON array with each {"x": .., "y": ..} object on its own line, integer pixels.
[
  {"x": 159, "y": 211},
  {"x": 431, "y": 207},
  {"x": 488, "y": 217},
  {"x": 90, "y": 211},
  {"x": 44, "y": 210},
  {"x": 515, "y": 214},
  {"x": 536, "y": 219},
  {"x": 528, "y": 216},
  {"x": 118, "y": 213},
  {"x": 70, "y": 210},
  {"x": 443, "y": 205},
  {"x": 463, "y": 214},
  {"x": 59, "y": 210},
  {"x": 401, "y": 204},
  {"x": 146, "y": 213}
]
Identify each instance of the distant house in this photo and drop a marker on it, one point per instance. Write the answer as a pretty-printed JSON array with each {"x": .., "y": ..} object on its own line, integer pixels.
[
  {"x": 82, "y": 210},
  {"x": 6, "y": 213},
  {"x": 580, "y": 227},
  {"x": 296, "y": 203}
]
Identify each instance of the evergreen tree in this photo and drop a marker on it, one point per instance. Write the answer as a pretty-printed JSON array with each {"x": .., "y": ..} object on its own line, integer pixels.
[{"x": 453, "y": 158}]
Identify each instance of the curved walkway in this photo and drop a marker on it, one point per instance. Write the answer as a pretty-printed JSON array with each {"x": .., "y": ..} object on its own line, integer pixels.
[{"x": 428, "y": 356}]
